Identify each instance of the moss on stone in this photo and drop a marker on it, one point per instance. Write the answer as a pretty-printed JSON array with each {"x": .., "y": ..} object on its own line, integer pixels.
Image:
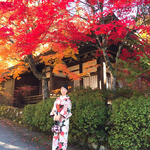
[{"x": 11, "y": 113}]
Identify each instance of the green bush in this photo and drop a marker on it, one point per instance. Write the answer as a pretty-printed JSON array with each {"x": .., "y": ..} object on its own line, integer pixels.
[
  {"x": 123, "y": 92},
  {"x": 37, "y": 116},
  {"x": 42, "y": 119},
  {"x": 89, "y": 118},
  {"x": 131, "y": 123},
  {"x": 89, "y": 115},
  {"x": 120, "y": 92},
  {"x": 88, "y": 121},
  {"x": 28, "y": 114}
]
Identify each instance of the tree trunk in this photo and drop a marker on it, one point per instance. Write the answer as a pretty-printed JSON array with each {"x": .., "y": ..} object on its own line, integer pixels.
[
  {"x": 107, "y": 61},
  {"x": 110, "y": 67},
  {"x": 45, "y": 88},
  {"x": 39, "y": 75},
  {"x": 113, "y": 82}
]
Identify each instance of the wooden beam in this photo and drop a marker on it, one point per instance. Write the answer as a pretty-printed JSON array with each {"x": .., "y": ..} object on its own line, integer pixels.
[
  {"x": 98, "y": 73},
  {"x": 51, "y": 80},
  {"x": 82, "y": 60},
  {"x": 104, "y": 75},
  {"x": 81, "y": 70}
]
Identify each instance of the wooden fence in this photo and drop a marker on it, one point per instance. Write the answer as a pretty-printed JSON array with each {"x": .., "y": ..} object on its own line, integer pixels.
[
  {"x": 32, "y": 99},
  {"x": 35, "y": 99}
]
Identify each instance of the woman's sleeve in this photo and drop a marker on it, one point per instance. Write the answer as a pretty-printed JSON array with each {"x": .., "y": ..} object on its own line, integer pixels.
[
  {"x": 54, "y": 110},
  {"x": 66, "y": 111}
]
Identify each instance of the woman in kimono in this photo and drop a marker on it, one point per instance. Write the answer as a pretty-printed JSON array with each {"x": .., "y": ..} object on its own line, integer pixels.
[{"x": 61, "y": 112}]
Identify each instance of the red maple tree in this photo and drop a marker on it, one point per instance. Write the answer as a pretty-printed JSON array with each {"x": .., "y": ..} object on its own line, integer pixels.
[
  {"x": 28, "y": 28},
  {"x": 32, "y": 26},
  {"x": 115, "y": 23}
]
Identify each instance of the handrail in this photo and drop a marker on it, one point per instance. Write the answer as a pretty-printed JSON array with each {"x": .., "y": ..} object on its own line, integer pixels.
[{"x": 36, "y": 99}]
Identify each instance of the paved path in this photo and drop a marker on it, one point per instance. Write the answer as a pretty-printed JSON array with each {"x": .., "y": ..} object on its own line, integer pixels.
[
  {"x": 16, "y": 137},
  {"x": 11, "y": 140}
]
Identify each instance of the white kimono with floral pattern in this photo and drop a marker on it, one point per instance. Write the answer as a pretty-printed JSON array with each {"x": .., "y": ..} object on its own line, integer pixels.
[{"x": 62, "y": 105}]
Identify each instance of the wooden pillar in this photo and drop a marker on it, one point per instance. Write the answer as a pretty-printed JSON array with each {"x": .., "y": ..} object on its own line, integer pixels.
[
  {"x": 51, "y": 80},
  {"x": 98, "y": 74},
  {"x": 104, "y": 75},
  {"x": 102, "y": 71},
  {"x": 66, "y": 82},
  {"x": 81, "y": 71}
]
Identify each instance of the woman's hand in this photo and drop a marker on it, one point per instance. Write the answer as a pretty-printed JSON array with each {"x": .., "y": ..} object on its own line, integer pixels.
[{"x": 57, "y": 117}]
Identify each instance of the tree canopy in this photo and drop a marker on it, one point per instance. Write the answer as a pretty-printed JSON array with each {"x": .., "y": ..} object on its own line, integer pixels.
[
  {"x": 31, "y": 27},
  {"x": 120, "y": 23}
]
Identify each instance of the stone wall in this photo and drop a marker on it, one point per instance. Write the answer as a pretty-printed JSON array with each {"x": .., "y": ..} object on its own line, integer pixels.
[{"x": 11, "y": 113}]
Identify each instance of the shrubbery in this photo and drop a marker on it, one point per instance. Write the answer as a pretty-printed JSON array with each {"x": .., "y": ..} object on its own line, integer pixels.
[
  {"x": 125, "y": 92},
  {"x": 5, "y": 98},
  {"x": 127, "y": 122},
  {"x": 131, "y": 123},
  {"x": 28, "y": 115},
  {"x": 42, "y": 119},
  {"x": 88, "y": 121},
  {"x": 37, "y": 116},
  {"x": 90, "y": 115}
]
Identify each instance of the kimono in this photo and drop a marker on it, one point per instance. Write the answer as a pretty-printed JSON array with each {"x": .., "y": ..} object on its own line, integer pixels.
[{"x": 62, "y": 106}]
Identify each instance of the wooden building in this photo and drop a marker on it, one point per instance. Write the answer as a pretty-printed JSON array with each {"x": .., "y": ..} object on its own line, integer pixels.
[{"x": 98, "y": 77}]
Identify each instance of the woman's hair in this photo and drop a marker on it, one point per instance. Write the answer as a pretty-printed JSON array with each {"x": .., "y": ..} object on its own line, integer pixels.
[{"x": 65, "y": 86}]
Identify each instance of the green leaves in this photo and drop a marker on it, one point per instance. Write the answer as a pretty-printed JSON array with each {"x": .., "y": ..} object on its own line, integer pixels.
[
  {"x": 28, "y": 114},
  {"x": 90, "y": 114},
  {"x": 131, "y": 128},
  {"x": 128, "y": 122},
  {"x": 37, "y": 116}
]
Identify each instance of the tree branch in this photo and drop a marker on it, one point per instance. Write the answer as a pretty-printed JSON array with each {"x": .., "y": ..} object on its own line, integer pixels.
[{"x": 33, "y": 67}]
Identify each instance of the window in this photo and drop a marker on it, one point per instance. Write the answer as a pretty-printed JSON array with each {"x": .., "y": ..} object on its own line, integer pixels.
[{"x": 90, "y": 81}]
